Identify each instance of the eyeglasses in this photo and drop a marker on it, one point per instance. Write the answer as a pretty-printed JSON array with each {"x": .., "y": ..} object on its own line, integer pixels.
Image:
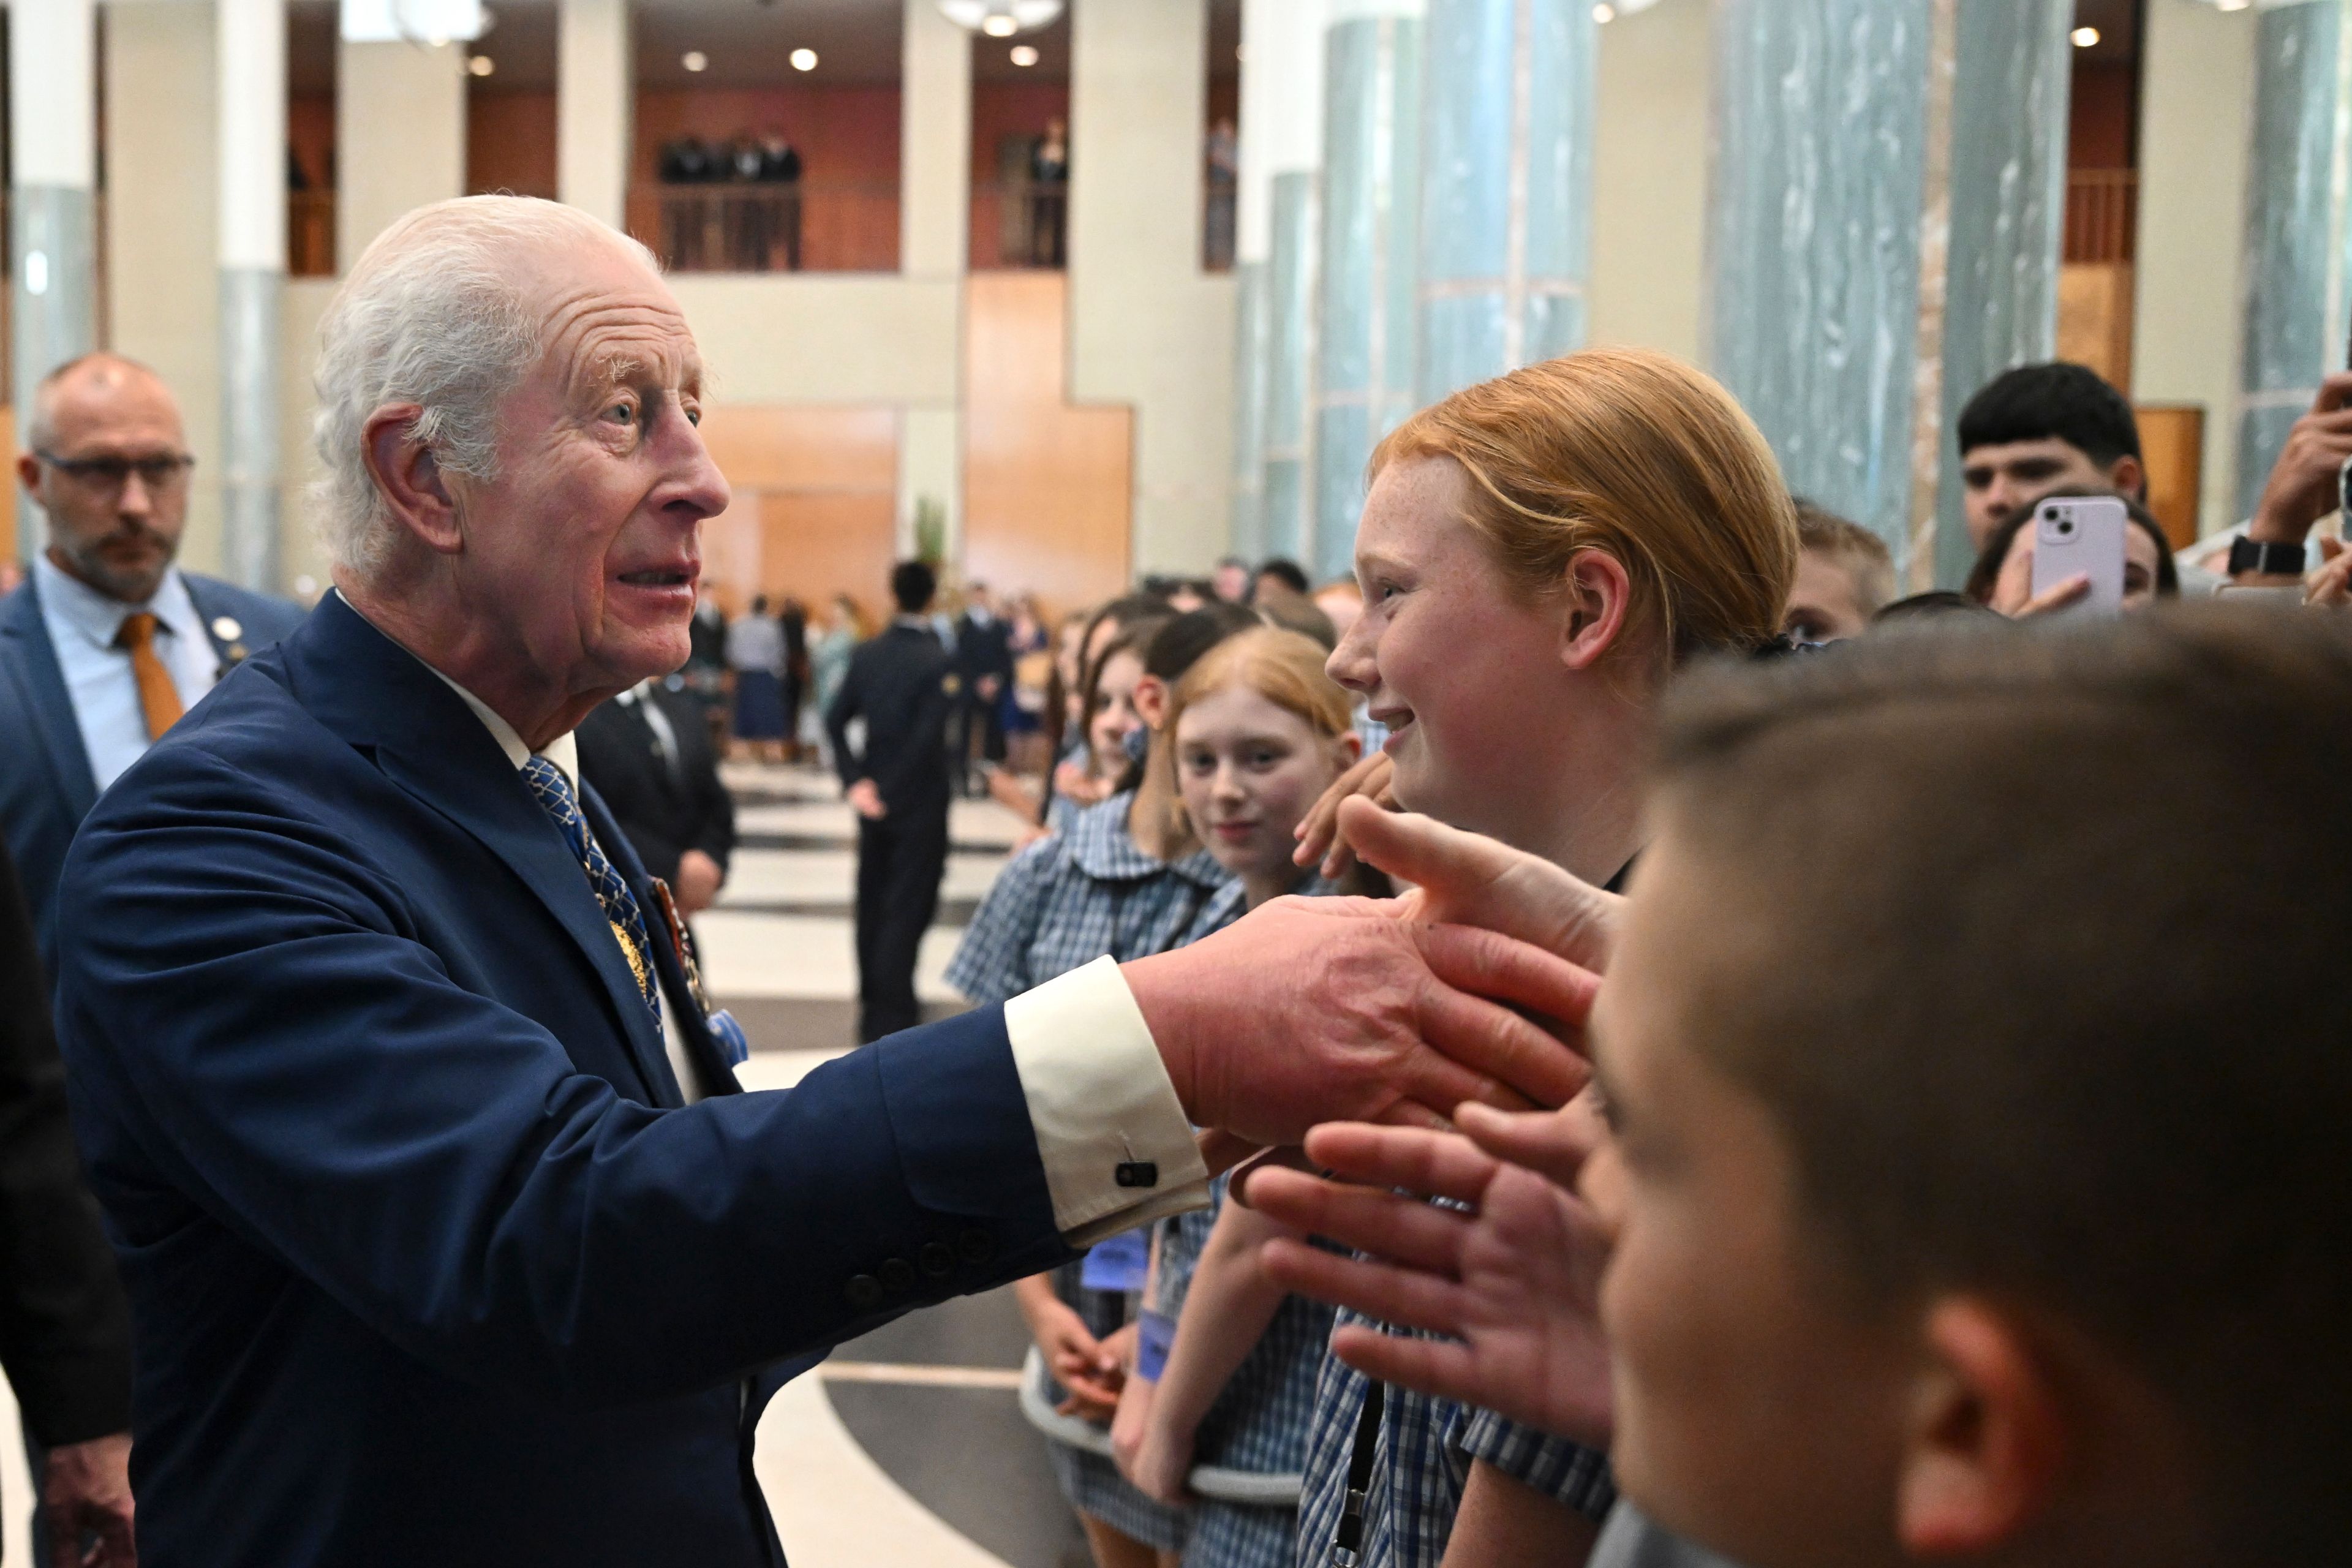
[{"x": 159, "y": 473}]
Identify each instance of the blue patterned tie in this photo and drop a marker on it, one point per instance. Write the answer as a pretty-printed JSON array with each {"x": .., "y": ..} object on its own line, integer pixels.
[{"x": 553, "y": 793}]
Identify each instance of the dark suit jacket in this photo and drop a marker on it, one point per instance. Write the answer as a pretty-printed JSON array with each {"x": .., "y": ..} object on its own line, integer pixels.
[
  {"x": 905, "y": 686},
  {"x": 984, "y": 650},
  {"x": 46, "y": 783},
  {"x": 429, "y": 1265},
  {"x": 65, "y": 1330},
  {"x": 664, "y": 810}
]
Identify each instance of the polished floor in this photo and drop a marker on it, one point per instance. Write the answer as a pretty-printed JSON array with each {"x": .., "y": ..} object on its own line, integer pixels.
[{"x": 908, "y": 1446}]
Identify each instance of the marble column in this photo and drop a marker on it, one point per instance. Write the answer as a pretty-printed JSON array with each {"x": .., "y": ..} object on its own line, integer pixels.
[
  {"x": 250, "y": 60},
  {"x": 2013, "y": 63},
  {"x": 1261, "y": 102},
  {"x": 400, "y": 135},
  {"x": 53, "y": 134},
  {"x": 2298, "y": 233},
  {"x": 595, "y": 100},
  {"x": 1506, "y": 186},
  {"x": 1370, "y": 266},
  {"x": 1293, "y": 147},
  {"x": 1888, "y": 182}
]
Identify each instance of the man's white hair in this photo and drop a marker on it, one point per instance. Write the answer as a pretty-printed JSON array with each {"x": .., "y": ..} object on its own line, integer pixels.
[{"x": 443, "y": 311}]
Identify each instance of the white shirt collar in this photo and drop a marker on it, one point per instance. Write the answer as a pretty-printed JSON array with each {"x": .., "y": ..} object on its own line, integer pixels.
[{"x": 77, "y": 606}]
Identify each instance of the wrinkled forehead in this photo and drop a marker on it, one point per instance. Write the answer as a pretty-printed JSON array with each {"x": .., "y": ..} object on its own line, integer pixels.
[{"x": 610, "y": 318}]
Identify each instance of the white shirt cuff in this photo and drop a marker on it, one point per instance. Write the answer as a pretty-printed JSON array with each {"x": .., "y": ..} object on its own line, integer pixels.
[{"x": 1101, "y": 1105}]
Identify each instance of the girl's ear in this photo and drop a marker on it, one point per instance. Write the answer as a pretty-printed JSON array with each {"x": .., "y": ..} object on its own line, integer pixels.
[
  {"x": 1596, "y": 607},
  {"x": 1152, "y": 700},
  {"x": 1350, "y": 747}
]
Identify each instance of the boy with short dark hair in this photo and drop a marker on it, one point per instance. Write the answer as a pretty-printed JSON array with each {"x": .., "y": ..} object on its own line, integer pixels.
[
  {"x": 2037, "y": 427},
  {"x": 1976, "y": 1184}
]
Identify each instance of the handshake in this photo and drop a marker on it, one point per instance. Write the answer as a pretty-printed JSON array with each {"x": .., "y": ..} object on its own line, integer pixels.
[{"x": 1434, "y": 1044}]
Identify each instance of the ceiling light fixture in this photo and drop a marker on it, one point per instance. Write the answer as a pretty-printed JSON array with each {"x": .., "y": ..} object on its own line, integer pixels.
[
  {"x": 1001, "y": 19},
  {"x": 481, "y": 65},
  {"x": 1604, "y": 12},
  {"x": 1023, "y": 55},
  {"x": 2084, "y": 37},
  {"x": 694, "y": 60},
  {"x": 802, "y": 60}
]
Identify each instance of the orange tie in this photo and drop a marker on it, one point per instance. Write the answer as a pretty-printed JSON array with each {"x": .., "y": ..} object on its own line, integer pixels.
[{"x": 159, "y": 699}]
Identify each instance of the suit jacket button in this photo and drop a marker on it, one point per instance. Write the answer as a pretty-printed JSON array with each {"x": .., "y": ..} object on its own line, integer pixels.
[
  {"x": 898, "y": 1276},
  {"x": 864, "y": 1293},
  {"x": 937, "y": 1258},
  {"x": 976, "y": 1246}
]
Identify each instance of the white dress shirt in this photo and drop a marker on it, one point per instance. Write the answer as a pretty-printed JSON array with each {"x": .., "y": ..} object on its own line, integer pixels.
[
  {"x": 1099, "y": 1095},
  {"x": 83, "y": 626}
]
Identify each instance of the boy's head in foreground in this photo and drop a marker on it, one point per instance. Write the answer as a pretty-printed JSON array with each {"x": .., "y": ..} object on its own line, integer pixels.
[{"x": 1983, "y": 1177}]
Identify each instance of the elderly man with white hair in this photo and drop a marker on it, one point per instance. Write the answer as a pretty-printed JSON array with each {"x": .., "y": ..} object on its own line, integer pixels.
[{"x": 450, "y": 1235}]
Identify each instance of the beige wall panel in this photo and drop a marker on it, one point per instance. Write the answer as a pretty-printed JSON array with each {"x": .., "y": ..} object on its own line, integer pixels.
[
  {"x": 299, "y": 311},
  {"x": 163, "y": 280},
  {"x": 850, "y": 339},
  {"x": 934, "y": 136},
  {"x": 1148, "y": 326},
  {"x": 1047, "y": 486},
  {"x": 400, "y": 136},
  {"x": 1649, "y": 179},
  {"x": 930, "y": 468},
  {"x": 2196, "y": 110}
]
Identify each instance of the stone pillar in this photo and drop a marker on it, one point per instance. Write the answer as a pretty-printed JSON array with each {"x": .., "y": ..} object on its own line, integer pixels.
[
  {"x": 2012, "y": 68},
  {"x": 400, "y": 136},
  {"x": 1293, "y": 149},
  {"x": 595, "y": 103},
  {"x": 1885, "y": 236},
  {"x": 250, "y": 59},
  {"x": 2298, "y": 228},
  {"x": 1372, "y": 232},
  {"x": 52, "y": 135},
  {"x": 1506, "y": 184},
  {"x": 1260, "y": 103},
  {"x": 934, "y": 239}
]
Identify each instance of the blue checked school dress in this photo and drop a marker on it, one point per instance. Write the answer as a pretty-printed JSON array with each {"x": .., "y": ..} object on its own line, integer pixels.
[
  {"x": 1065, "y": 901},
  {"x": 1420, "y": 1466}
]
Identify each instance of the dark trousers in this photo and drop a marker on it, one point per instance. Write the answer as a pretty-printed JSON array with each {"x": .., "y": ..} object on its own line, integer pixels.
[{"x": 899, "y": 860}]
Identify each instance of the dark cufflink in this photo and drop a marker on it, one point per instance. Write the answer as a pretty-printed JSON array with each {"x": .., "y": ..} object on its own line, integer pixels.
[{"x": 1137, "y": 1173}]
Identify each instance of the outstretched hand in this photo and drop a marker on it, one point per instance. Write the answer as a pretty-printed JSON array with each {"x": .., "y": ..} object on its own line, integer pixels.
[
  {"x": 1516, "y": 1282},
  {"x": 1314, "y": 1010},
  {"x": 1323, "y": 840}
]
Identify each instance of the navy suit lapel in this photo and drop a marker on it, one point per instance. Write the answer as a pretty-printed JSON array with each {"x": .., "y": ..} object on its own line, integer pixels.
[
  {"x": 373, "y": 692},
  {"x": 231, "y": 650},
  {"x": 25, "y": 637}
]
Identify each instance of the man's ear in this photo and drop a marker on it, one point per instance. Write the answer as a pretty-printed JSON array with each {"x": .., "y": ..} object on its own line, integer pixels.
[
  {"x": 1985, "y": 1443},
  {"x": 1597, "y": 605},
  {"x": 408, "y": 476},
  {"x": 2128, "y": 476},
  {"x": 1152, "y": 700},
  {"x": 28, "y": 473}
]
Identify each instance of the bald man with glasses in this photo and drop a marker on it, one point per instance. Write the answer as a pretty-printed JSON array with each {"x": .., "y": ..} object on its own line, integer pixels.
[{"x": 107, "y": 642}]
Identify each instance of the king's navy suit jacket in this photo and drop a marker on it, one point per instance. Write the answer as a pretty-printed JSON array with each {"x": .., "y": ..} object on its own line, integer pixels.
[
  {"x": 428, "y": 1263},
  {"x": 46, "y": 785}
]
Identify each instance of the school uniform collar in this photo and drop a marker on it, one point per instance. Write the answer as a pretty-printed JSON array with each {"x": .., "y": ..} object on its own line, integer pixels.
[{"x": 1102, "y": 847}]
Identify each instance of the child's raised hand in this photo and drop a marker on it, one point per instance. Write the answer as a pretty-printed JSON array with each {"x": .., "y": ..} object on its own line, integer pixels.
[{"x": 1321, "y": 839}]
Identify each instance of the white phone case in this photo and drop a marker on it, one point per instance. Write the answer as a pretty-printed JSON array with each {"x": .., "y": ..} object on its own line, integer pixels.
[{"x": 2081, "y": 536}]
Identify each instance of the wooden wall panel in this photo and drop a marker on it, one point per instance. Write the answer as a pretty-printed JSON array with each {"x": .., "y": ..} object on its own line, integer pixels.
[
  {"x": 509, "y": 140},
  {"x": 815, "y": 504},
  {"x": 2172, "y": 445},
  {"x": 1048, "y": 487}
]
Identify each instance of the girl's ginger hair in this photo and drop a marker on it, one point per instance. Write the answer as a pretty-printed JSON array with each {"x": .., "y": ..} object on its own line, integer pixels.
[{"x": 1635, "y": 453}]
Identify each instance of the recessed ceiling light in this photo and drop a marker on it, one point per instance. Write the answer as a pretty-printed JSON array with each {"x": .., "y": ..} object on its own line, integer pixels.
[
  {"x": 804, "y": 60},
  {"x": 999, "y": 25},
  {"x": 2084, "y": 37},
  {"x": 1604, "y": 12},
  {"x": 694, "y": 60},
  {"x": 1023, "y": 55},
  {"x": 481, "y": 65}
]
